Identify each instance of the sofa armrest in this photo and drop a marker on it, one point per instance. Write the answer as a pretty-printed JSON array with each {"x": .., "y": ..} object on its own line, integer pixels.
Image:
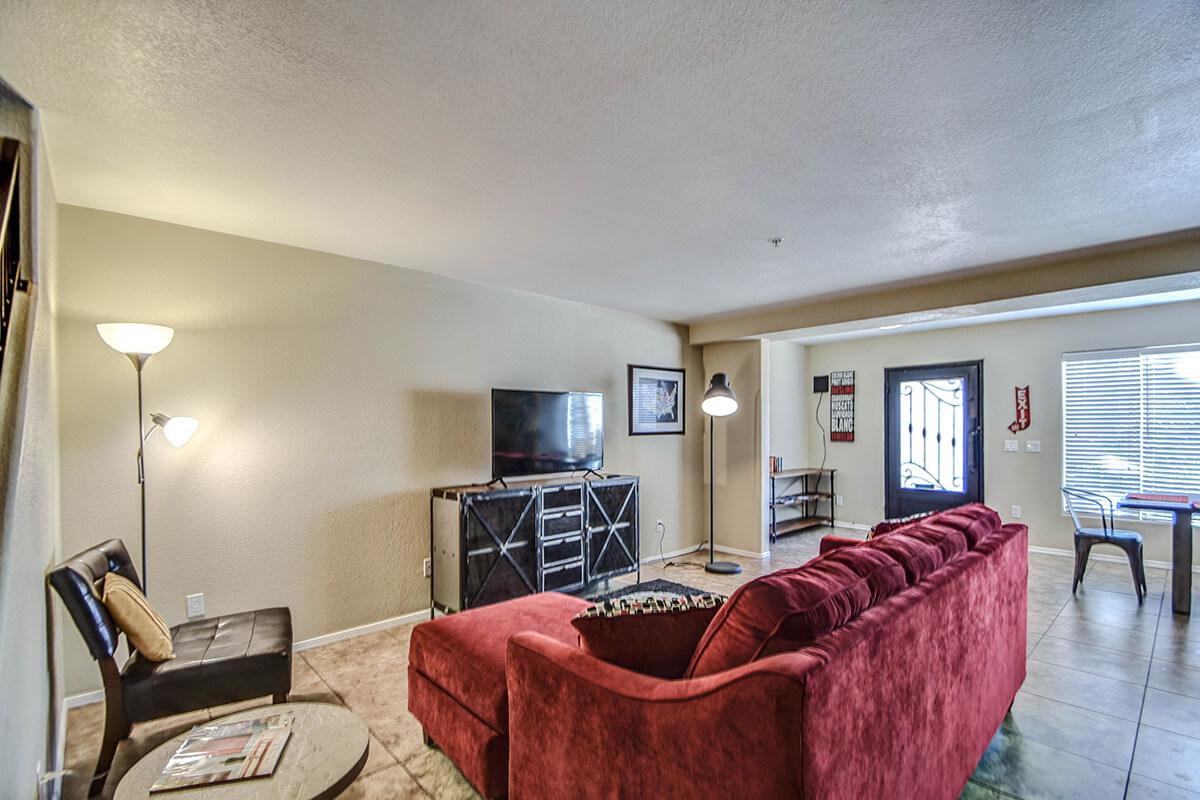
[
  {"x": 831, "y": 543},
  {"x": 582, "y": 728}
]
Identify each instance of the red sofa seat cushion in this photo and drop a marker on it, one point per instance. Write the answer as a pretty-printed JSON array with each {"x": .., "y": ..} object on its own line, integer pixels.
[
  {"x": 463, "y": 654},
  {"x": 791, "y": 608},
  {"x": 655, "y": 637}
]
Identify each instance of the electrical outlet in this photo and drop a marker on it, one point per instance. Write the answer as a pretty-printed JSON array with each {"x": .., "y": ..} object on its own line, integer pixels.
[
  {"x": 1011, "y": 445},
  {"x": 660, "y": 527},
  {"x": 838, "y": 500},
  {"x": 195, "y": 605},
  {"x": 427, "y": 567},
  {"x": 1016, "y": 512},
  {"x": 1033, "y": 446}
]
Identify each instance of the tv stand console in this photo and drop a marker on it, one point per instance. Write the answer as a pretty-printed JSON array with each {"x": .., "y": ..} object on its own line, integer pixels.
[{"x": 491, "y": 543}]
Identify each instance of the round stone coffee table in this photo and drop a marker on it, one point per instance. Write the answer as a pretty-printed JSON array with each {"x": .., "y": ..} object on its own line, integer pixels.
[{"x": 325, "y": 753}]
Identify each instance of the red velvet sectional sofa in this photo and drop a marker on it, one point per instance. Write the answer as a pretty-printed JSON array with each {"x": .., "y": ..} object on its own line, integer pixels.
[{"x": 879, "y": 669}]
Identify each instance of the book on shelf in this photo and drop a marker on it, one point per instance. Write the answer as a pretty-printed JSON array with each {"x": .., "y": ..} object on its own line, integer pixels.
[{"x": 227, "y": 751}]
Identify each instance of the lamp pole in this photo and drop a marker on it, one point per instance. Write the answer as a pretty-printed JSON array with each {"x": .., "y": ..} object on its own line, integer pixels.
[{"x": 139, "y": 361}]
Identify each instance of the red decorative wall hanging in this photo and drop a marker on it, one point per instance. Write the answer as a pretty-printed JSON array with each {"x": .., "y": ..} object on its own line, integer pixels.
[
  {"x": 1023, "y": 412},
  {"x": 841, "y": 406}
]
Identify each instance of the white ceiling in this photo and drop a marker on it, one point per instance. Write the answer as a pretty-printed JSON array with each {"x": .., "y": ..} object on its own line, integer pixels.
[{"x": 629, "y": 153}]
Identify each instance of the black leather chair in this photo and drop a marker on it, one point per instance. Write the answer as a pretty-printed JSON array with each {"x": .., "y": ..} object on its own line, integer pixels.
[
  {"x": 218, "y": 660},
  {"x": 1108, "y": 533}
]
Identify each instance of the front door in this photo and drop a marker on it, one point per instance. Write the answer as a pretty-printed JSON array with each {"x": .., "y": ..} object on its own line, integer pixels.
[{"x": 933, "y": 454}]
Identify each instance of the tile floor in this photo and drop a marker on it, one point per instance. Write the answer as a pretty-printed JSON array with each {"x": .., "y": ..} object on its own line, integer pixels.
[{"x": 1110, "y": 708}]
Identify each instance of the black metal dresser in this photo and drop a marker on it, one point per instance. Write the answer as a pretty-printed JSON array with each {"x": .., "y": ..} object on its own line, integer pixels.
[{"x": 490, "y": 544}]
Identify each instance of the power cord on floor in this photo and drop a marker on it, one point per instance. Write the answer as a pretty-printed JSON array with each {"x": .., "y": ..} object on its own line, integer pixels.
[
  {"x": 824, "y": 444},
  {"x": 662, "y": 533}
]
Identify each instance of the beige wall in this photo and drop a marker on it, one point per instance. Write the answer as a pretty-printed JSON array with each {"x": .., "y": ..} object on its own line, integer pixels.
[
  {"x": 29, "y": 536},
  {"x": 741, "y": 439},
  {"x": 789, "y": 389},
  {"x": 332, "y": 395},
  {"x": 1019, "y": 353}
]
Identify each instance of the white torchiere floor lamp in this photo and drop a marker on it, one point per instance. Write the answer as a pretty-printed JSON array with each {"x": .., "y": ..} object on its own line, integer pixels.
[
  {"x": 719, "y": 401},
  {"x": 139, "y": 341}
]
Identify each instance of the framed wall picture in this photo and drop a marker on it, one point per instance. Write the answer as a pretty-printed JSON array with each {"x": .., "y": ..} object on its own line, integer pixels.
[
  {"x": 841, "y": 406},
  {"x": 656, "y": 400}
]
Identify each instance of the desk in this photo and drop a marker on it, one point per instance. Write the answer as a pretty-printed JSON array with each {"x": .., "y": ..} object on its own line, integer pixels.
[{"x": 1181, "y": 541}]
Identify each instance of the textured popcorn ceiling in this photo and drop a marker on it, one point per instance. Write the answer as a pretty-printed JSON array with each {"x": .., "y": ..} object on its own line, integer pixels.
[{"x": 630, "y": 153}]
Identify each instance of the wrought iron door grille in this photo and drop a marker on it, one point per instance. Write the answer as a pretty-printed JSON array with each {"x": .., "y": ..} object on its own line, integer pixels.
[{"x": 932, "y": 423}]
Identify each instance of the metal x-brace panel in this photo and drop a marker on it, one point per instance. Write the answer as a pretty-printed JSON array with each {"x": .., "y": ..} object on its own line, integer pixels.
[
  {"x": 611, "y": 527},
  {"x": 502, "y": 547}
]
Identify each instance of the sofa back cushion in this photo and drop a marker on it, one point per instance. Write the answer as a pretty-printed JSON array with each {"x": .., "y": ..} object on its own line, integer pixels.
[
  {"x": 791, "y": 608},
  {"x": 883, "y": 574},
  {"x": 917, "y": 558},
  {"x": 975, "y": 521},
  {"x": 950, "y": 542}
]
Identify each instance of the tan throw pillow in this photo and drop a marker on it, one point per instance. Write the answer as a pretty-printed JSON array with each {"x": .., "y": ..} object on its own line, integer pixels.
[{"x": 130, "y": 609}]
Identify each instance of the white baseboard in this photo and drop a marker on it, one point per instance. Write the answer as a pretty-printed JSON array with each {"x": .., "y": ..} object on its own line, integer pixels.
[
  {"x": 1115, "y": 559},
  {"x": 683, "y": 551},
  {"x": 858, "y": 526},
  {"x": 81, "y": 699},
  {"x": 370, "y": 627},
  {"x": 87, "y": 698}
]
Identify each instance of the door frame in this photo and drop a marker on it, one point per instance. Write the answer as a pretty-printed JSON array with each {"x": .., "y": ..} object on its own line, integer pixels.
[{"x": 891, "y": 444}]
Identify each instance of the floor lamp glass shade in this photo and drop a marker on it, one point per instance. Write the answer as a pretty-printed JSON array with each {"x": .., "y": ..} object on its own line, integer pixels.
[
  {"x": 135, "y": 338},
  {"x": 719, "y": 400},
  {"x": 179, "y": 429}
]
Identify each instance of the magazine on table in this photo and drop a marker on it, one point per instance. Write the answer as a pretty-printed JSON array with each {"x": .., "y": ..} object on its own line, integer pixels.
[{"x": 227, "y": 751}]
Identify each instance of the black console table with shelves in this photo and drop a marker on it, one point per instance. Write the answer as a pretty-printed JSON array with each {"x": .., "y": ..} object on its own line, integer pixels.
[
  {"x": 801, "y": 489},
  {"x": 490, "y": 544}
]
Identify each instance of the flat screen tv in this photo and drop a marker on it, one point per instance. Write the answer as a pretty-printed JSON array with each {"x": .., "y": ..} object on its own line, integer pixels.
[{"x": 535, "y": 433}]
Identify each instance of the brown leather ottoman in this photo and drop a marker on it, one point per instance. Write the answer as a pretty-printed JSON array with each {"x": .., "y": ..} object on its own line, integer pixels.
[{"x": 456, "y": 679}]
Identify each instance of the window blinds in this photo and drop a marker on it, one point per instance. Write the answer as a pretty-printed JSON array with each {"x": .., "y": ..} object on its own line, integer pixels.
[{"x": 1131, "y": 421}]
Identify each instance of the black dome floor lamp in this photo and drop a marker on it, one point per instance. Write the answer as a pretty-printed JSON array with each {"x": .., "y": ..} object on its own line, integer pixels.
[{"x": 719, "y": 401}]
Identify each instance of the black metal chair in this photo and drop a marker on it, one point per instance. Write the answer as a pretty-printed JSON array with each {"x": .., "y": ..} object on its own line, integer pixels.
[
  {"x": 1108, "y": 533},
  {"x": 218, "y": 660}
]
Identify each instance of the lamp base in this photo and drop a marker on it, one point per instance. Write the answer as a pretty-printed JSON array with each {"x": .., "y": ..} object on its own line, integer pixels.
[{"x": 723, "y": 567}]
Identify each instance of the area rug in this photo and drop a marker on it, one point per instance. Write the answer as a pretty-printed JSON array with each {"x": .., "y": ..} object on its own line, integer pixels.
[{"x": 648, "y": 589}]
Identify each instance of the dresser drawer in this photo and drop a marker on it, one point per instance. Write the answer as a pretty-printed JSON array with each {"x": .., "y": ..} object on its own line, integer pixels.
[
  {"x": 566, "y": 548},
  {"x": 561, "y": 523},
  {"x": 558, "y": 497},
  {"x": 563, "y": 576}
]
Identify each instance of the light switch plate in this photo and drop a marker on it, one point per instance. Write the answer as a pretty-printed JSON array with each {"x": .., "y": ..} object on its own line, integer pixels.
[
  {"x": 1033, "y": 446},
  {"x": 1011, "y": 445}
]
